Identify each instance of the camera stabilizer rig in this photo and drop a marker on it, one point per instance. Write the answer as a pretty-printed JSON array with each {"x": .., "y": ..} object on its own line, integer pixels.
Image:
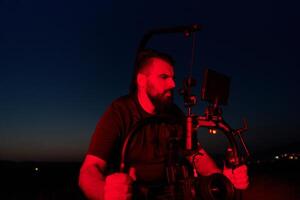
[{"x": 215, "y": 90}]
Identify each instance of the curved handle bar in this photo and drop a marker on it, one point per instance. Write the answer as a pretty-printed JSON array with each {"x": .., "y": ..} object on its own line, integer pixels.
[
  {"x": 226, "y": 129},
  {"x": 137, "y": 127}
]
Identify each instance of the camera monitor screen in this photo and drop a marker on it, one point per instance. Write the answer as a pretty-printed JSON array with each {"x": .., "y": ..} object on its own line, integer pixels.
[{"x": 215, "y": 87}]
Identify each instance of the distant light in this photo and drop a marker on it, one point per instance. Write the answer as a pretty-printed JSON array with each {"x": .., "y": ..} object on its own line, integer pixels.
[
  {"x": 36, "y": 169},
  {"x": 212, "y": 131},
  {"x": 291, "y": 157},
  {"x": 276, "y": 157}
]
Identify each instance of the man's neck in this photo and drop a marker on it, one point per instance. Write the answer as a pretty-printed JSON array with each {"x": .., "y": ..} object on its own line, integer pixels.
[{"x": 145, "y": 102}]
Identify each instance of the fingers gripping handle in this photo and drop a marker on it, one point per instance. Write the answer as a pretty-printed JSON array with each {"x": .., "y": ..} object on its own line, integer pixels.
[
  {"x": 119, "y": 186},
  {"x": 132, "y": 173}
]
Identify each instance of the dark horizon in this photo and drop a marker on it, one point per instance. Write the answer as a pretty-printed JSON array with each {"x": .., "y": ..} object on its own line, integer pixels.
[{"x": 262, "y": 154}]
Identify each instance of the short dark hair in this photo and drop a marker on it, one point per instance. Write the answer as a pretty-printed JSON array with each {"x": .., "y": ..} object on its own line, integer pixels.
[{"x": 142, "y": 59}]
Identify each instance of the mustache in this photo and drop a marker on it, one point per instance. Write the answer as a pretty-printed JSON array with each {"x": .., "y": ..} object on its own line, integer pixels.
[{"x": 168, "y": 91}]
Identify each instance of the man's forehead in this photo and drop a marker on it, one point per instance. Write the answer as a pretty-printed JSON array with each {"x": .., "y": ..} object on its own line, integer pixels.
[{"x": 160, "y": 66}]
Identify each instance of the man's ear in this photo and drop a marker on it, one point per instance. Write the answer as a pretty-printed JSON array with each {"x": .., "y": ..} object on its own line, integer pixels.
[{"x": 141, "y": 80}]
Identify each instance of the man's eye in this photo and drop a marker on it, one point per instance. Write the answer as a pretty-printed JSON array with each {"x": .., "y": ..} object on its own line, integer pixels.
[{"x": 164, "y": 76}]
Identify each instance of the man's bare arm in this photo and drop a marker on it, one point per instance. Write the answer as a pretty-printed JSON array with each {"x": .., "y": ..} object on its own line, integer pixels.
[{"x": 91, "y": 178}]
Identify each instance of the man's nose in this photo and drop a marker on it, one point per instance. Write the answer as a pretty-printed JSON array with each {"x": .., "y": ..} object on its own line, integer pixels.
[{"x": 171, "y": 84}]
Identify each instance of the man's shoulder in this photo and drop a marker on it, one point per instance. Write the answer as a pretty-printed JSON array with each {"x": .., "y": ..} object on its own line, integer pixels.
[
  {"x": 123, "y": 100},
  {"x": 123, "y": 103}
]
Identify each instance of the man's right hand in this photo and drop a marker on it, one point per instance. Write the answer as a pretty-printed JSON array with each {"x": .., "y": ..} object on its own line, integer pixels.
[
  {"x": 118, "y": 186},
  {"x": 238, "y": 177}
]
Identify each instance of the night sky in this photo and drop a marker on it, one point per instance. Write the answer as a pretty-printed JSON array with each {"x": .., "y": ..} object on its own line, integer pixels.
[{"x": 63, "y": 62}]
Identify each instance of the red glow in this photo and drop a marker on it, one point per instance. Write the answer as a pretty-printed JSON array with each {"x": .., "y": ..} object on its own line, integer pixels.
[{"x": 156, "y": 82}]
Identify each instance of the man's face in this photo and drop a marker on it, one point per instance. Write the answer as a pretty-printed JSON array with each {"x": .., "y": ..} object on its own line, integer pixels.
[{"x": 160, "y": 83}]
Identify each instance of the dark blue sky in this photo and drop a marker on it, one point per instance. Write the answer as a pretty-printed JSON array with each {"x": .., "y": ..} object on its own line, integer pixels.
[{"x": 63, "y": 62}]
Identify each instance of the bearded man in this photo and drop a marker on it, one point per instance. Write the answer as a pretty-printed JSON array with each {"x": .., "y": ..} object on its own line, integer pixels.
[{"x": 151, "y": 94}]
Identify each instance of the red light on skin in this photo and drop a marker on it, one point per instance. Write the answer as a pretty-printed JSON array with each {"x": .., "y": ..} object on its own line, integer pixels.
[{"x": 155, "y": 81}]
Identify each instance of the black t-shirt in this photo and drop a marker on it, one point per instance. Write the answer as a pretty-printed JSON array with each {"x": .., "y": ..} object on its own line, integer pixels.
[{"x": 149, "y": 147}]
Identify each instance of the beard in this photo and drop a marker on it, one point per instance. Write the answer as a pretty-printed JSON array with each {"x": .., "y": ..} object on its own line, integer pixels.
[{"x": 162, "y": 102}]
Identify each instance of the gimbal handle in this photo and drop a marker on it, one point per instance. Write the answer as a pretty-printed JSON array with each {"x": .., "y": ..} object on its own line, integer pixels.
[{"x": 217, "y": 122}]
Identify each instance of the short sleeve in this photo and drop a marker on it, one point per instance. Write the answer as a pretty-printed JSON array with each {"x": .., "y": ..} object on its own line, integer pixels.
[{"x": 106, "y": 134}]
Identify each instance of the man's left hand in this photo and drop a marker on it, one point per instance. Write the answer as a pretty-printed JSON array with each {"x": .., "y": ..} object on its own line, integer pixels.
[{"x": 238, "y": 176}]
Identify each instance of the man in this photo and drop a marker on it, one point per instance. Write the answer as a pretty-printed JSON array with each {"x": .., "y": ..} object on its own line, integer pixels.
[{"x": 149, "y": 149}]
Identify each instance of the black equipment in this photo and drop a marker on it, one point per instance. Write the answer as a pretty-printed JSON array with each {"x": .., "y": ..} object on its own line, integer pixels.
[{"x": 215, "y": 91}]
